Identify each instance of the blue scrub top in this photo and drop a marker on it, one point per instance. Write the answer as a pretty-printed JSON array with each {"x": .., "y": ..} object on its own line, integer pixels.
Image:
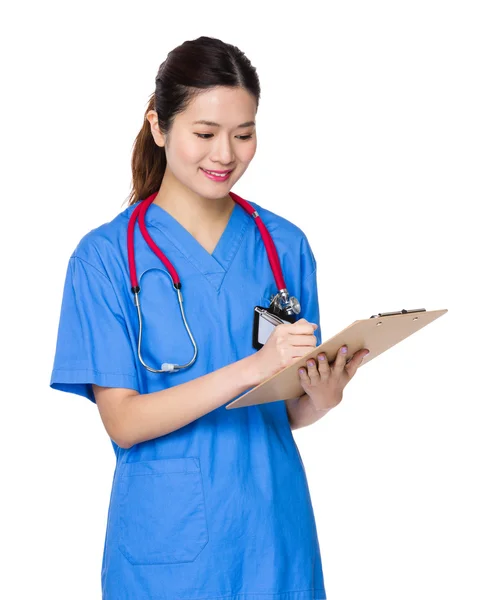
[{"x": 220, "y": 508}]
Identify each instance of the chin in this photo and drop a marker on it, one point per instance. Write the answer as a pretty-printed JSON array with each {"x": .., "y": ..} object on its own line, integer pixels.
[
  {"x": 212, "y": 194},
  {"x": 216, "y": 190}
]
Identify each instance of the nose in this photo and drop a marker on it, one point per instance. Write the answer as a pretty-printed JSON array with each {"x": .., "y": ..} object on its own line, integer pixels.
[{"x": 222, "y": 151}]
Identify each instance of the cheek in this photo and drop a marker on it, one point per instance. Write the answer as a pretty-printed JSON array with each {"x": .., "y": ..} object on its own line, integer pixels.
[
  {"x": 187, "y": 151},
  {"x": 247, "y": 152}
]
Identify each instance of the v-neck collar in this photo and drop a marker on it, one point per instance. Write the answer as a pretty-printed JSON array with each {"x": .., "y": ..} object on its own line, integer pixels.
[{"x": 213, "y": 266}]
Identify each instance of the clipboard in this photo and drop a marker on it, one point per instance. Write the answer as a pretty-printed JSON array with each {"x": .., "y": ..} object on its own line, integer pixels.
[{"x": 378, "y": 334}]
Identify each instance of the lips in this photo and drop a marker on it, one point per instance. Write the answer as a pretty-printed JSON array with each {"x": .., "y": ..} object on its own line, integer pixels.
[
  {"x": 219, "y": 176},
  {"x": 217, "y": 172}
]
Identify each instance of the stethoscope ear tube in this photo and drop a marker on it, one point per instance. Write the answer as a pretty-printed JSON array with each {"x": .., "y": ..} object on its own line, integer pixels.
[{"x": 165, "y": 367}]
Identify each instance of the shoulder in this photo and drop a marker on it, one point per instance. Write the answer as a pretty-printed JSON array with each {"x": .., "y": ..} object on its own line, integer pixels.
[
  {"x": 273, "y": 221},
  {"x": 103, "y": 245},
  {"x": 287, "y": 232}
]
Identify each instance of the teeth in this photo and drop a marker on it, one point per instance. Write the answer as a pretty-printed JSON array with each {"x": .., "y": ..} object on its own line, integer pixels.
[{"x": 217, "y": 174}]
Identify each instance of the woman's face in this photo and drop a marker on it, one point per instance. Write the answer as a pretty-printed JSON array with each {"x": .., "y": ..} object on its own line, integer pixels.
[{"x": 216, "y": 132}]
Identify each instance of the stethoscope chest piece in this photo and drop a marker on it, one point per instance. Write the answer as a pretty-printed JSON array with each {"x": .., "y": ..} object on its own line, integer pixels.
[
  {"x": 283, "y": 309},
  {"x": 285, "y": 306}
]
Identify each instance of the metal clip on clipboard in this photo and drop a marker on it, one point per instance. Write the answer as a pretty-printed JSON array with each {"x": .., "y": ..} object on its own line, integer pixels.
[{"x": 398, "y": 312}]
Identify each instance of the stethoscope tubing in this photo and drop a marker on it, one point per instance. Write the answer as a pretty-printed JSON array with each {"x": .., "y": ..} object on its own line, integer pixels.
[
  {"x": 138, "y": 214},
  {"x": 165, "y": 367}
]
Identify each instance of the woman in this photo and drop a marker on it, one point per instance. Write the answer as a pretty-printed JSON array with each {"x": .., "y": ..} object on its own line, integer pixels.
[{"x": 206, "y": 502}]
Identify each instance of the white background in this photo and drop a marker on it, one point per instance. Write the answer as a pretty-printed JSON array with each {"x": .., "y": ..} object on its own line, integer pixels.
[{"x": 377, "y": 135}]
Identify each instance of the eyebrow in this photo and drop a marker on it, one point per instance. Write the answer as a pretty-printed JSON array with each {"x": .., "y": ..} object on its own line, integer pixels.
[{"x": 213, "y": 124}]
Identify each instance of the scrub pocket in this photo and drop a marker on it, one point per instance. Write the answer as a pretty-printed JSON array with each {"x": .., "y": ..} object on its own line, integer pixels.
[
  {"x": 162, "y": 514},
  {"x": 264, "y": 301}
]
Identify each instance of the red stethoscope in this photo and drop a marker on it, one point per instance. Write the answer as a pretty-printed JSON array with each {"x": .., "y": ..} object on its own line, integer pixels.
[{"x": 282, "y": 305}]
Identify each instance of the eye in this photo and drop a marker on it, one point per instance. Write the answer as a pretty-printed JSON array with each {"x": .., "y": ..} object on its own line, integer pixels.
[{"x": 206, "y": 136}]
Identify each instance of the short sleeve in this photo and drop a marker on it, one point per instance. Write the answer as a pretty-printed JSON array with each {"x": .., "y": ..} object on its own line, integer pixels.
[
  {"x": 309, "y": 294},
  {"x": 93, "y": 343}
]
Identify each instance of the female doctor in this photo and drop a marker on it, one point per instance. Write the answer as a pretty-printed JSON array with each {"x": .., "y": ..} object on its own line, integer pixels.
[{"x": 156, "y": 328}]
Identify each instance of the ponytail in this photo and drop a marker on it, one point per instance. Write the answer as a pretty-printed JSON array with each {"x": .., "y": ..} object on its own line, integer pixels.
[{"x": 148, "y": 162}]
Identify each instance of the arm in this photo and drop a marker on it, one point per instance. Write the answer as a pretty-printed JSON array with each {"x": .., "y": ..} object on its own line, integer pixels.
[
  {"x": 130, "y": 417},
  {"x": 302, "y": 413}
]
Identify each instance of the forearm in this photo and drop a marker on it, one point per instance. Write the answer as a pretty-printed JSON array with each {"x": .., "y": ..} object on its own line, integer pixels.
[
  {"x": 148, "y": 416},
  {"x": 301, "y": 412}
]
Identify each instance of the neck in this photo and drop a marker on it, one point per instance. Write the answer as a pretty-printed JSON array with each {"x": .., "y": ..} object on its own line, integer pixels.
[{"x": 189, "y": 208}]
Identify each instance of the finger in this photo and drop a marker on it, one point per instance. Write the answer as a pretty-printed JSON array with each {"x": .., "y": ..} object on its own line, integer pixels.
[
  {"x": 313, "y": 373},
  {"x": 303, "y": 377},
  {"x": 303, "y": 340},
  {"x": 303, "y": 320},
  {"x": 302, "y": 326},
  {"x": 340, "y": 360},
  {"x": 323, "y": 366},
  {"x": 355, "y": 362}
]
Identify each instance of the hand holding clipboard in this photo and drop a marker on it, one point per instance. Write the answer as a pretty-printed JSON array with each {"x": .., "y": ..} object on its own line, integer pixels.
[{"x": 377, "y": 334}]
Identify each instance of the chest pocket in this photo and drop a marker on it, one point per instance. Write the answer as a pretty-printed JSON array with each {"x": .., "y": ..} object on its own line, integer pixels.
[
  {"x": 265, "y": 299},
  {"x": 162, "y": 515}
]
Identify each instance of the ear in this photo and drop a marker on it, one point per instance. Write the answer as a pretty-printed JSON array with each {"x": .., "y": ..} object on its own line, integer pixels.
[{"x": 154, "y": 128}]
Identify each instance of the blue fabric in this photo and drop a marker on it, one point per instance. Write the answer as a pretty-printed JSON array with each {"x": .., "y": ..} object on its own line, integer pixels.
[{"x": 221, "y": 507}]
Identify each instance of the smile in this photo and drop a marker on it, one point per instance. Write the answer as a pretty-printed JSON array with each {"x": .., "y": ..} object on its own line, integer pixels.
[{"x": 217, "y": 175}]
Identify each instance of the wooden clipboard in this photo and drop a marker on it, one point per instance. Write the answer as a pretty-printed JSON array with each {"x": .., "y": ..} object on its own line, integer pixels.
[{"x": 378, "y": 334}]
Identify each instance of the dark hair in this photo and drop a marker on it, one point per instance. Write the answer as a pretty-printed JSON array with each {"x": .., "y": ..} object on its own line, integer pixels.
[{"x": 188, "y": 69}]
